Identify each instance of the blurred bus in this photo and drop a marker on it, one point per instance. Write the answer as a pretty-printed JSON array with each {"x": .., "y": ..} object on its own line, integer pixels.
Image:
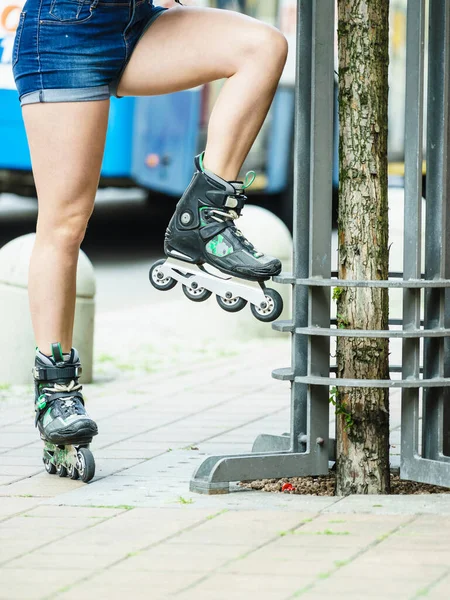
[{"x": 151, "y": 141}]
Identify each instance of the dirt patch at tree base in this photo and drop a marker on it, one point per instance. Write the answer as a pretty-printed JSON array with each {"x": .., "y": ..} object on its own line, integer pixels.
[{"x": 324, "y": 485}]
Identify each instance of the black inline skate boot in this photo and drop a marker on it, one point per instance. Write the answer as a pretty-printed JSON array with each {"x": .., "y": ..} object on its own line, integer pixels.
[
  {"x": 62, "y": 420},
  {"x": 202, "y": 234},
  {"x": 202, "y": 230}
]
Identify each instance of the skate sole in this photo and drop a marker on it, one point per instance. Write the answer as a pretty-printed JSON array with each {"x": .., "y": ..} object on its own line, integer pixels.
[
  {"x": 256, "y": 278},
  {"x": 72, "y": 438},
  {"x": 189, "y": 274}
]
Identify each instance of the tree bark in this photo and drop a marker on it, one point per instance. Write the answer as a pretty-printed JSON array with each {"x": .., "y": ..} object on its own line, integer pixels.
[{"x": 362, "y": 418}]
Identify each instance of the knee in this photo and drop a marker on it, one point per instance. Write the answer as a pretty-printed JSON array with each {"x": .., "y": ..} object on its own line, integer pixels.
[
  {"x": 269, "y": 46},
  {"x": 65, "y": 229}
]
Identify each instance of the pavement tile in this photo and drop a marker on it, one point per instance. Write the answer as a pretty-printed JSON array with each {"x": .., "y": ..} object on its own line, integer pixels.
[
  {"x": 377, "y": 587},
  {"x": 199, "y": 558},
  {"x": 82, "y": 512},
  {"x": 37, "y": 583},
  {"x": 415, "y": 558},
  {"x": 30, "y": 526},
  {"x": 367, "y": 526},
  {"x": 12, "y": 506},
  {"x": 117, "y": 584},
  {"x": 129, "y": 450},
  {"x": 16, "y": 440},
  {"x": 6, "y": 480},
  {"x": 359, "y": 570},
  {"x": 422, "y": 503},
  {"x": 104, "y": 467},
  {"x": 128, "y": 533},
  {"x": 18, "y": 547},
  {"x": 29, "y": 451},
  {"x": 301, "y": 564},
  {"x": 19, "y": 471},
  {"x": 441, "y": 590},
  {"x": 55, "y": 560},
  {"x": 241, "y": 585},
  {"x": 41, "y": 485},
  {"x": 249, "y": 528}
]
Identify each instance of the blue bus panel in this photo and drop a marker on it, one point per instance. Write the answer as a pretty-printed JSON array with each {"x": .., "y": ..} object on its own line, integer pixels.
[{"x": 165, "y": 140}]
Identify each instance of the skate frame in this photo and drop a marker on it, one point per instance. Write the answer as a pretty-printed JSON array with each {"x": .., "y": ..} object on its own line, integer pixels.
[{"x": 215, "y": 281}]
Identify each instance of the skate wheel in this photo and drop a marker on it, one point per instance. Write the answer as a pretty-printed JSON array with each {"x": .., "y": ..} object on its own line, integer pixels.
[
  {"x": 272, "y": 309},
  {"x": 198, "y": 294},
  {"x": 86, "y": 464},
  {"x": 72, "y": 472},
  {"x": 232, "y": 305},
  {"x": 49, "y": 466},
  {"x": 158, "y": 280},
  {"x": 61, "y": 471}
]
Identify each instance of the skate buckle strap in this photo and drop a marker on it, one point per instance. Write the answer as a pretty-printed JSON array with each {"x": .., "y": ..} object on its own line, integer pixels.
[
  {"x": 236, "y": 203},
  {"x": 56, "y": 373},
  {"x": 231, "y": 202},
  {"x": 39, "y": 406}
]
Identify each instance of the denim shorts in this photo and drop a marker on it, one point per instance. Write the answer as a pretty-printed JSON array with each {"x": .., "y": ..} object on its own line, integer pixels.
[{"x": 76, "y": 50}]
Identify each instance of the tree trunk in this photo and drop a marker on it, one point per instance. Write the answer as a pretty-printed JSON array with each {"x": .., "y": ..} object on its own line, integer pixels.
[{"x": 362, "y": 414}]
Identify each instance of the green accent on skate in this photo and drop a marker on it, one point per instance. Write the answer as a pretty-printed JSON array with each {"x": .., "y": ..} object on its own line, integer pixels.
[
  {"x": 65, "y": 456},
  {"x": 201, "y": 161},
  {"x": 60, "y": 350},
  {"x": 219, "y": 246},
  {"x": 252, "y": 174},
  {"x": 201, "y": 209},
  {"x": 42, "y": 401}
]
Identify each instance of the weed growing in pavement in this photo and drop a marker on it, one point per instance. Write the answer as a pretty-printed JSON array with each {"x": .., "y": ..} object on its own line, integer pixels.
[
  {"x": 336, "y": 521},
  {"x": 182, "y": 500},
  {"x": 103, "y": 358},
  {"x": 341, "y": 563},
  {"x": 217, "y": 514}
]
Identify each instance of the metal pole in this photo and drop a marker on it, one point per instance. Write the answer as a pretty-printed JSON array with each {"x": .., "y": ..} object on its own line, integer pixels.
[
  {"x": 322, "y": 97},
  {"x": 412, "y": 243},
  {"x": 302, "y": 157},
  {"x": 436, "y": 247}
]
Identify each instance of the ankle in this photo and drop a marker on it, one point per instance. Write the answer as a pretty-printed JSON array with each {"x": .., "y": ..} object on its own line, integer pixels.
[{"x": 225, "y": 170}]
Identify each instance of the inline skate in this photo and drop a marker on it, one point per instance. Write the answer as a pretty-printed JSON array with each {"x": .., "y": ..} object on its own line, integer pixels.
[
  {"x": 208, "y": 254},
  {"x": 62, "y": 420}
]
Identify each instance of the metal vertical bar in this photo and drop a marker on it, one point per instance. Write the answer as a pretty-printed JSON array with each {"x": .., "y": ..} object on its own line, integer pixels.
[
  {"x": 320, "y": 218},
  {"x": 436, "y": 249},
  {"x": 412, "y": 246},
  {"x": 299, "y": 349},
  {"x": 445, "y": 397}
]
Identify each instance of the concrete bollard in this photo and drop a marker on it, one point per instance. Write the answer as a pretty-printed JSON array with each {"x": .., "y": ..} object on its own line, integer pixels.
[
  {"x": 17, "y": 344},
  {"x": 270, "y": 235}
]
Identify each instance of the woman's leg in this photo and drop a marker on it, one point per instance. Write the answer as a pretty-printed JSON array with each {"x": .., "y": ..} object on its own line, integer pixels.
[
  {"x": 66, "y": 142},
  {"x": 186, "y": 47}
]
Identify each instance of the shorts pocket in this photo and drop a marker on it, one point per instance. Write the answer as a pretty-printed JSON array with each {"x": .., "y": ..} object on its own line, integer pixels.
[
  {"x": 70, "y": 12},
  {"x": 16, "y": 47}
]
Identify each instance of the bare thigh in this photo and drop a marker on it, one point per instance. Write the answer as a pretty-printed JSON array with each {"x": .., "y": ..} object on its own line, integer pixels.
[
  {"x": 187, "y": 46},
  {"x": 66, "y": 142}
]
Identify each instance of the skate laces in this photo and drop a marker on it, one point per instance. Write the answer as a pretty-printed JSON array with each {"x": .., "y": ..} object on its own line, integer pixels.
[
  {"x": 68, "y": 406},
  {"x": 53, "y": 388}
]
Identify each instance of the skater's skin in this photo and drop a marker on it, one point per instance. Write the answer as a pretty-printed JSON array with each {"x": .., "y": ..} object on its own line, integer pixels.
[{"x": 185, "y": 47}]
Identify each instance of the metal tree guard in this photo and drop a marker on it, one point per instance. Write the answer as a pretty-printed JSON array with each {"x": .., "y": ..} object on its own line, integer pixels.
[{"x": 307, "y": 449}]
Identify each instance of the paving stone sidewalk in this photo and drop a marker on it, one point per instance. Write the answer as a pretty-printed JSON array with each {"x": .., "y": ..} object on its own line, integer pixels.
[
  {"x": 137, "y": 531},
  {"x": 168, "y": 391}
]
